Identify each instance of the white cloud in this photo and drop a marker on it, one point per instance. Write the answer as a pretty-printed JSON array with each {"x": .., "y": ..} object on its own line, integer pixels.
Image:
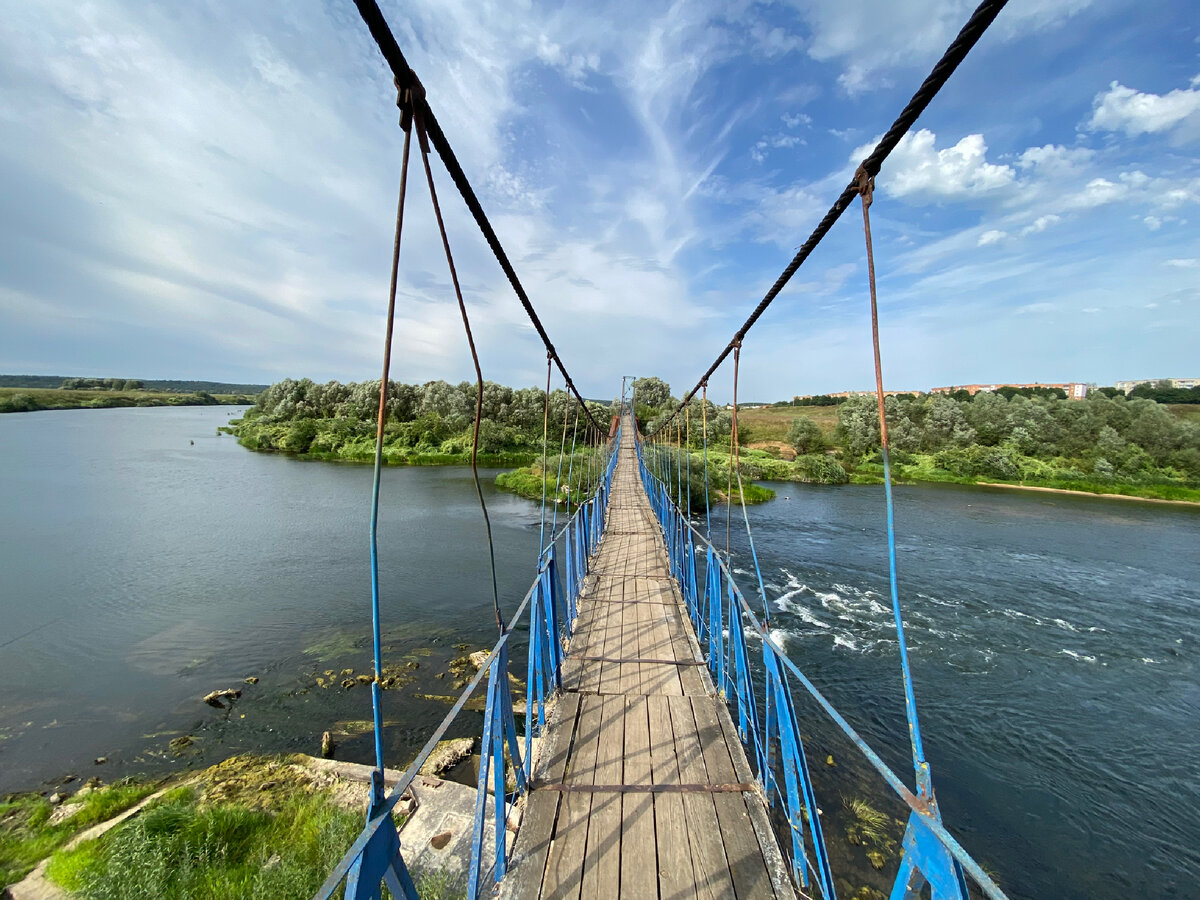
[
  {"x": 919, "y": 170},
  {"x": 1135, "y": 112},
  {"x": 869, "y": 38},
  {"x": 1055, "y": 160},
  {"x": 1041, "y": 223},
  {"x": 991, "y": 236},
  {"x": 1184, "y": 263},
  {"x": 1135, "y": 186},
  {"x": 774, "y": 142}
]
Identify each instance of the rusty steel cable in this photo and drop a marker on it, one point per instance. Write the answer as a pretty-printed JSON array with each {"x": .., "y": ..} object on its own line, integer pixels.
[
  {"x": 406, "y": 78},
  {"x": 866, "y": 187},
  {"x": 423, "y": 143},
  {"x": 970, "y": 34},
  {"x": 545, "y": 440},
  {"x": 403, "y": 100}
]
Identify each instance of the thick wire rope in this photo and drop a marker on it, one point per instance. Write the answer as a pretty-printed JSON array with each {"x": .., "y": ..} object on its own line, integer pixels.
[
  {"x": 545, "y": 444},
  {"x": 867, "y": 190},
  {"x": 762, "y": 591},
  {"x": 423, "y": 143},
  {"x": 405, "y": 99},
  {"x": 970, "y": 34},
  {"x": 406, "y": 78}
]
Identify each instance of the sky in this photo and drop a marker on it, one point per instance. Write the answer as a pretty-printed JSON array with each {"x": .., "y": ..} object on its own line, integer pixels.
[{"x": 208, "y": 190}]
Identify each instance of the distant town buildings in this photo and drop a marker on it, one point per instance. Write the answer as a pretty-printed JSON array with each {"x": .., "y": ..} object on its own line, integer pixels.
[
  {"x": 1184, "y": 383},
  {"x": 1075, "y": 390}
]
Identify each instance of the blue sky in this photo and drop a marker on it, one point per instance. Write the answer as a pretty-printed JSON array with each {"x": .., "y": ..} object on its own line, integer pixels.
[{"x": 207, "y": 190}]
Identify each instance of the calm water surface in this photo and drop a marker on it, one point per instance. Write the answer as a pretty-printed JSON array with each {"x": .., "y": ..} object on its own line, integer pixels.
[
  {"x": 1054, "y": 639},
  {"x": 147, "y": 561}
]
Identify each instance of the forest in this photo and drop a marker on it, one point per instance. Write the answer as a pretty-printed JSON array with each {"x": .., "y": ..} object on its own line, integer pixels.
[
  {"x": 1105, "y": 444},
  {"x": 427, "y": 424}
]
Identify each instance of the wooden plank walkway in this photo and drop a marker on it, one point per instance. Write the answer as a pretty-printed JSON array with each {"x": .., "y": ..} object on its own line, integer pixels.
[{"x": 641, "y": 788}]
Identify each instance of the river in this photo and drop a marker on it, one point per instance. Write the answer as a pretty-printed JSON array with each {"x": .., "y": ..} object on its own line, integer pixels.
[{"x": 145, "y": 561}]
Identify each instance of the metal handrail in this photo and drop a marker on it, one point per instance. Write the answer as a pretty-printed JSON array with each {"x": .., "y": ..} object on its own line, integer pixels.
[
  {"x": 673, "y": 523},
  {"x": 375, "y": 853}
]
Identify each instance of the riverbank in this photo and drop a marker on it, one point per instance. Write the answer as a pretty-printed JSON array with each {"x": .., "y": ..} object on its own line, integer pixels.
[
  {"x": 1083, "y": 493},
  {"x": 872, "y": 473},
  {"x": 250, "y": 826},
  {"x": 21, "y": 399}
]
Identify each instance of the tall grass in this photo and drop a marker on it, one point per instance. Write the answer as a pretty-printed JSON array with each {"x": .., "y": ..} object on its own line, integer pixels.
[
  {"x": 27, "y": 836},
  {"x": 179, "y": 848}
]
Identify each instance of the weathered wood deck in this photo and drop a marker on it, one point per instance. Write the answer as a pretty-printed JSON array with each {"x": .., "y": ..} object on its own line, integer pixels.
[{"x": 641, "y": 788}]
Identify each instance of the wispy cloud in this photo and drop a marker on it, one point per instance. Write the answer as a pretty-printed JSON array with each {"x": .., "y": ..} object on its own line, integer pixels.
[{"x": 187, "y": 193}]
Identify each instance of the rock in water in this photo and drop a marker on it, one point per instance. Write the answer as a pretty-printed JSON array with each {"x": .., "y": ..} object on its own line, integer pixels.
[
  {"x": 214, "y": 698},
  {"x": 447, "y": 754},
  {"x": 327, "y": 745}
]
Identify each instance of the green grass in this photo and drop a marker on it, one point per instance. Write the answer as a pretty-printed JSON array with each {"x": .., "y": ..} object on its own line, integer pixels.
[
  {"x": 772, "y": 422},
  {"x": 32, "y": 399},
  {"x": 182, "y": 848},
  {"x": 27, "y": 837},
  {"x": 1188, "y": 411},
  {"x": 923, "y": 468}
]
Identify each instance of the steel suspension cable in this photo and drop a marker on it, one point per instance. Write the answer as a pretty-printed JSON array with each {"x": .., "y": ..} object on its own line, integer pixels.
[
  {"x": 867, "y": 190},
  {"x": 687, "y": 448},
  {"x": 966, "y": 39},
  {"x": 406, "y": 78},
  {"x": 423, "y": 143},
  {"x": 558, "y": 477},
  {"x": 707, "y": 514},
  {"x": 571, "y": 467},
  {"x": 762, "y": 592},
  {"x": 545, "y": 439},
  {"x": 404, "y": 99}
]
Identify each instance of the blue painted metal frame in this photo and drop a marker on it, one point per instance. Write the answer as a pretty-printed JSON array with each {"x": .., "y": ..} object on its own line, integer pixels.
[
  {"x": 375, "y": 857},
  {"x": 931, "y": 854}
]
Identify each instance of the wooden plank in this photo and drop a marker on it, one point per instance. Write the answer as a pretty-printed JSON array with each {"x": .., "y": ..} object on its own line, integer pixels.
[
  {"x": 675, "y": 876},
  {"x": 746, "y": 863},
  {"x": 710, "y": 867},
  {"x": 602, "y": 861},
  {"x": 564, "y": 866},
  {"x": 532, "y": 845},
  {"x": 639, "y": 863}
]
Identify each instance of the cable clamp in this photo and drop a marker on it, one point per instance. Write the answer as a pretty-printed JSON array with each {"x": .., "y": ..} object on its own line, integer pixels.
[
  {"x": 407, "y": 97},
  {"x": 866, "y": 184}
]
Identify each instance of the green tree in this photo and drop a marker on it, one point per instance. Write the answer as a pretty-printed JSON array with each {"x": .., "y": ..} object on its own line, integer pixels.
[
  {"x": 805, "y": 435},
  {"x": 858, "y": 425},
  {"x": 651, "y": 391}
]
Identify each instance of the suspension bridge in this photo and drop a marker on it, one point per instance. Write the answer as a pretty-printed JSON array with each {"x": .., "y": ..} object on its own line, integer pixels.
[{"x": 660, "y": 753}]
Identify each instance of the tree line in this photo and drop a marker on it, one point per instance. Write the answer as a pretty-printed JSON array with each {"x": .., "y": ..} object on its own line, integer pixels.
[
  {"x": 431, "y": 419},
  {"x": 1028, "y": 438}
]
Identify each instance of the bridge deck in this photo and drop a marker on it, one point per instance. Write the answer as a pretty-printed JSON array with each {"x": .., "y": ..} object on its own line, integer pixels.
[{"x": 641, "y": 788}]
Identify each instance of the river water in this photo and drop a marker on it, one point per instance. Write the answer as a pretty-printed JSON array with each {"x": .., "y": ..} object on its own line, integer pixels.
[{"x": 145, "y": 560}]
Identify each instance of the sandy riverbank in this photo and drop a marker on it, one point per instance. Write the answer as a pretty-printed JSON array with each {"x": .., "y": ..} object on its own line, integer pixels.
[{"x": 1050, "y": 490}]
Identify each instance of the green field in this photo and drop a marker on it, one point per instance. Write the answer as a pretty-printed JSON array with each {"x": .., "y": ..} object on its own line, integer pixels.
[{"x": 771, "y": 423}]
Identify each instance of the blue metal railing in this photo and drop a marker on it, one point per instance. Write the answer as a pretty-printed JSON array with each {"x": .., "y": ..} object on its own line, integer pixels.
[
  {"x": 375, "y": 857},
  {"x": 722, "y": 617}
]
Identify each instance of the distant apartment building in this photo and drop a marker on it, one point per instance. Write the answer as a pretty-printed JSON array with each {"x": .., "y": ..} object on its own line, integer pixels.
[
  {"x": 1075, "y": 390},
  {"x": 1184, "y": 383},
  {"x": 842, "y": 395}
]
